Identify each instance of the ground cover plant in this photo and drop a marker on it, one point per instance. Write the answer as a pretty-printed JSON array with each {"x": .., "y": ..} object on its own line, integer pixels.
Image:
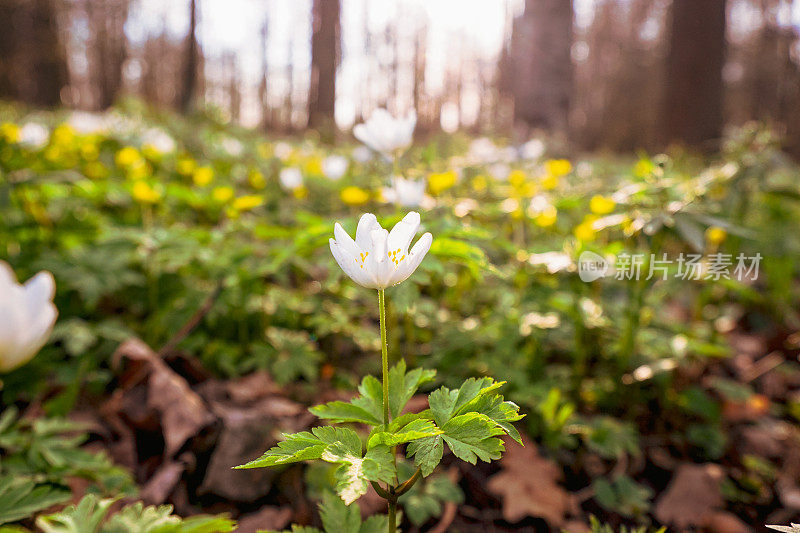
[{"x": 201, "y": 311}]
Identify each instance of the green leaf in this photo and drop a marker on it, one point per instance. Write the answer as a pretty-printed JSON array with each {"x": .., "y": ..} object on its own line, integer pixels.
[
  {"x": 20, "y": 498},
  {"x": 353, "y": 477},
  {"x": 446, "y": 403},
  {"x": 414, "y": 430},
  {"x": 304, "y": 446},
  {"x": 402, "y": 385},
  {"x": 427, "y": 453},
  {"x": 339, "y": 411},
  {"x": 339, "y": 517},
  {"x": 473, "y": 436},
  {"x": 85, "y": 517}
]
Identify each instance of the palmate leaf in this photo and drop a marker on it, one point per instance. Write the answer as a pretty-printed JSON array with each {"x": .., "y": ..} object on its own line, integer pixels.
[
  {"x": 86, "y": 516},
  {"x": 416, "y": 428},
  {"x": 355, "y": 472},
  {"x": 368, "y": 407},
  {"x": 471, "y": 419},
  {"x": 20, "y": 498},
  {"x": 305, "y": 446}
]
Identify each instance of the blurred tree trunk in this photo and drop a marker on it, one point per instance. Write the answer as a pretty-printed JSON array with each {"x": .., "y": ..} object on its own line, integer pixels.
[
  {"x": 541, "y": 64},
  {"x": 33, "y": 66},
  {"x": 325, "y": 50},
  {"x": 107, "y": 22},
  {"x": 694, "y": 88},
  {"x": 191, "y": 62}
]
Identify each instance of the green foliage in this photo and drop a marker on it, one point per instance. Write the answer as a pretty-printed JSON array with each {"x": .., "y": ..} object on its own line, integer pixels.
[
  {"x": 90, "y": 515},
  {"x": 622, "y": 495},
  {"x": 598, "y": 527},
  {"x": 38, "y": 455},
  {"x": 424, "y": 501},
  {"x": 340, "y": 518}
]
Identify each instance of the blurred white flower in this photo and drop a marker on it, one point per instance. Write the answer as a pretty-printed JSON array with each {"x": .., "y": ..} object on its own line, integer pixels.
[
  {"x": 500, "y": 171},
  {"x": 86, "y": 123},
  {"x": 378, "y": 259},
  {"x": 407, "y": 193},
  {"x": 159, "y": 139},
  {"x": 27, "y": 315},
  {"x": 362, "y": 154},
  {"x": 34, "y": 135},
  {"x": 291, "y": 178},
  {"x": 334, "y": 166},
  {"x": 282, "y": 150},
  {"x": 463, "y": 207},
  {"x": 482, "y": 150},
  {"x": 386, "y": 134},
  {"x": 539, "y": 321},
  {"x": 533, "y": 149},
  {"x": 232, "y": 147},
  {"x": 553, "y": 261}
]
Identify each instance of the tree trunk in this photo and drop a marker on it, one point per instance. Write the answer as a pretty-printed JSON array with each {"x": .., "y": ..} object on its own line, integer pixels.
[
  {"x": 694, "y": 89},
  {"x": 33, "y": 66},
  {"x": 325, "y": 47},
  {"x": 541, "y": 63},
  {"x": 190, "y": 62}
]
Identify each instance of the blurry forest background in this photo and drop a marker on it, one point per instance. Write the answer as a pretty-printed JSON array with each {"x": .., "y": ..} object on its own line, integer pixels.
[{"x": 605, "y": 74}]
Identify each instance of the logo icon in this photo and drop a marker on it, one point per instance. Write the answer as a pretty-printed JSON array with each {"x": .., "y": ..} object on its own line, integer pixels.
[{"x": 592, "y": 266}]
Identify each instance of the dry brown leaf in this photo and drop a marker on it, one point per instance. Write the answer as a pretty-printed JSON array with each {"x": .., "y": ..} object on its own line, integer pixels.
[
  {"x": 158, "y": 488},
  {"x": 528, "y": 486},
  {"x": 692, "y": 495},
  {"x": 266, "y": 519}
]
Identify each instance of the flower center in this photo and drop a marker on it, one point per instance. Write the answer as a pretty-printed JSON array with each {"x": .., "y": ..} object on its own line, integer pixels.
[{"x": 393, "y": 256}]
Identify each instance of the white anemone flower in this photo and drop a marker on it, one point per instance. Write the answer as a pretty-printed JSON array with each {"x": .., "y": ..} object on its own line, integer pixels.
[
  {"x": 291, "y": 178},
  {"x": 386, "y": 134},
  {"x": 378, "y": 259},
  {"x": 34, "y": 135},
  {"x": 27, "y": 315},
  {"x": 407, "y": 193},
  {"x": 334, "y": 166}
]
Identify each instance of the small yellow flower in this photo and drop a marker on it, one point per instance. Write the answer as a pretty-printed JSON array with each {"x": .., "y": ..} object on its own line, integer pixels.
[
  {"x": 600, "y": 205},
  {"x": 643, "y": 167},
  {"x": 558, "y": 167},
  {"x": 222, "y": 194},
  {"x": 185, "y": 166},
  {"x": 95, "y": 170},
  {"x": 63, "y": 135},
  {"x": 264, "y": 150},
  {"x": 716, "y": 235},
  {"x": 144, "y": 193},
  {"x": 313, "y": 166},
  {"x": 256, "y": 179},
  {"x": 479, "y": 183},
  {"x": 354, "y": 196},
  {"x": 547, "y": 217},
  {"x": 9, "y": 132},
  {"x": 151, "y": 152},
  {"x": 89, "y": 151},
  {"x": 438, "y": 182},
  {"x": 138, "y": 170},
  {"x": 127, "y": 156},
  {"x": 300, "y": 192},
  {"x": 248, "y": 202},
  {"x": 202, "y": 176},
  {"x": 549, "y": 182},
  {"x": 517, "y": 178},
  {"x": 584, "y": 231}
]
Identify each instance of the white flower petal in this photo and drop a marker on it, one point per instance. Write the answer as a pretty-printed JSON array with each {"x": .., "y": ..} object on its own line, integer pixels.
[
  {"x": 344, "y": 240},
  {"x": 366, "y": 224},
  {"x": 415, "y": 257},
  {"x": 402, "y": 233}
]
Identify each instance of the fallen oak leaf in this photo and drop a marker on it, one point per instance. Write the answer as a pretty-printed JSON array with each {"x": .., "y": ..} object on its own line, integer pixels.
[
  {"x": 528, "y": 486},
  {"x": 692, "y": 496}
]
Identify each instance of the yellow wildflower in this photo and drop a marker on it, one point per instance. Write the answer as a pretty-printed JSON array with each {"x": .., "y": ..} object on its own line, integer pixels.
[
  {"x": 95, "y": 170},
  {"x": 9, "y": 132},
  {"x": 600, "y": 205},
  {"x": 202, "y": 176},
  {"x": 479, "y": 183},
  {"x": 127, "y": 156},
  {"x": 643, "y": 167},
  {"x": 300, "y": 192},
  {"x": 549, "y": 182},
  {"x": 185, "y": 166},
  {"x": 313, "y": 166},
  {"x": 144, "y": 193},
  {"x": 222, "y": 194},
  {"x": 547, "y": 217},
  {"x": 63, "y": 134},
  {"x": 716, "y": 235},
  {"x": 438, "y": 182},
  {"x": 517, "y": 178},
  {"x": 584, "y": 231},
  {"x": 89, "y": 151},
  {"x": 256, "y": 179},
  {"x": 558, "y": 167},
  {"x": 354, "y": 196},
  {"x": 248, "y": 202}
]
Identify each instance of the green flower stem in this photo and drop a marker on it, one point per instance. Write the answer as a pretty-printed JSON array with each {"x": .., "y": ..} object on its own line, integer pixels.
[
  {"x": 384, "y": 357},
  {"x": 392, "y": 516}
]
